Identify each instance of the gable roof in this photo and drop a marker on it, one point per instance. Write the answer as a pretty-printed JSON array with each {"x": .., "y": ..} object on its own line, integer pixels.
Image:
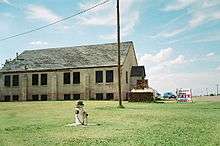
[
  {"x": 68, "y": 57},
  {"x": 138, "y": 71}
]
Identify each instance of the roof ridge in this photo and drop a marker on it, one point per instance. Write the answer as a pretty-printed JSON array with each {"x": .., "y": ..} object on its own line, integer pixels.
[
  {"x": 82, "y": 56},
  {"x": 103, "y": 44}
]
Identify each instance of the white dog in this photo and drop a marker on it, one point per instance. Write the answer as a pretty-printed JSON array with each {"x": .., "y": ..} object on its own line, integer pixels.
[{"x": 81, "y": 117}]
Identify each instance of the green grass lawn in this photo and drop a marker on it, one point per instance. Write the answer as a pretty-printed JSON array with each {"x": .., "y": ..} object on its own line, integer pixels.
[{"x": 43, "y": 123}]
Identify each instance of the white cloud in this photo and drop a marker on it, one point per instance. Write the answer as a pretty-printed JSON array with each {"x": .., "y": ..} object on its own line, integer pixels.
[
  {"x": 161, "y": 56},
  {"x": 204, "y": 16},
  {"x": 106, "y": 16},
  {"x": 216, "y": 15},
  {"x": 130, "y": 23},
  {"x": 7, "y": 15},
  {"x": 179, "y": 60},
  {"x": 161, "y": 62},
  {"x": 218, "y": 68},
  {"x": 5, "y": 1},
  {"x": 38, "y": 43},
  {"x": 161, "y": 69},
  {"x": 164, "y": 75},
  {"x": 165, "y": 66},
  {"x": 197, "y": 19},
  {"x": 210, "y": 3},
  {"x": 126, "y": 30},
  {"x": 208, "y": 39},
  {"x": 196, "y": 81},
  {"x": 103, "y": 16},
  {"x": 179, "y": 5},
  {"x": 202, "y": 12},
  {"x": 173, "y": 33},
  {"x": 42, "y": 13},
  {"x": 210, "y": 54}
]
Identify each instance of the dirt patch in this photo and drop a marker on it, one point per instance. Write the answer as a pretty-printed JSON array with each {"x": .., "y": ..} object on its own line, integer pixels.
[{"x": 207, "y": 98}]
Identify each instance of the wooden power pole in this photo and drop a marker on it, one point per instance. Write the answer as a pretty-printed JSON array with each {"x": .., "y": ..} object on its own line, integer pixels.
[{"x": 119, "y": 55}]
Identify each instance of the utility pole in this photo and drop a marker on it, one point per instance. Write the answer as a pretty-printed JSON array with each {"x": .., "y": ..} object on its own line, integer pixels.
[
  {"x": 217, "y": 89},
  {"x": 119, "y": 55}
]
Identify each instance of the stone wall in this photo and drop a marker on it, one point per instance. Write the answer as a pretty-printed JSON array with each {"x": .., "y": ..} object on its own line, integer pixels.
[{"x": 130, "y": 61}]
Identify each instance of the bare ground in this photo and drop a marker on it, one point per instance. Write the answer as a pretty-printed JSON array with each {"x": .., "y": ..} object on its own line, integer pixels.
[{"x": 207, "y": 98}]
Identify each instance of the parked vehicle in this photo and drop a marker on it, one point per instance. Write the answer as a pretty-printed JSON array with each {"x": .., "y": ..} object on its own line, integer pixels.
[{"x": 169, "y": 95}]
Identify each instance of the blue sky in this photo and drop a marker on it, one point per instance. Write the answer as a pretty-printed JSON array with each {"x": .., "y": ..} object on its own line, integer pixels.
[{"x": 178, "y": 41}]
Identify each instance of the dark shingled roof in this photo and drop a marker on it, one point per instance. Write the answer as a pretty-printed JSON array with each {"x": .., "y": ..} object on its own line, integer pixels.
[
  {"x": 68, "y": 57},
  {"x": 138, "y": 71}
]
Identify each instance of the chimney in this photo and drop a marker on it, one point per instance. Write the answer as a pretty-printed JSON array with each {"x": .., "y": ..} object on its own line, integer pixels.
[
  {"x": 26, "y": 67},
  {"x": 17, "y": 55}
]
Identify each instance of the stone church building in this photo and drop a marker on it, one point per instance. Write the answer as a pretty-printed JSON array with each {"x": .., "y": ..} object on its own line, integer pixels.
[{"x": 70, "y": 73}]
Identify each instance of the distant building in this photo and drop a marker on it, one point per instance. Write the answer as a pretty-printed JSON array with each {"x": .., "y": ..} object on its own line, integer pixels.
[{"x": 82, "y": 72}]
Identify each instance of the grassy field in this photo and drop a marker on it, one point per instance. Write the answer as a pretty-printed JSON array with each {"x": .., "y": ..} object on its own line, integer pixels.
[{"x": 43, "y": 123}]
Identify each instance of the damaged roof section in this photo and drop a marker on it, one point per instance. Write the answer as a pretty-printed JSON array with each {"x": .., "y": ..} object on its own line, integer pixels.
[{"x": 69, "y": 57}]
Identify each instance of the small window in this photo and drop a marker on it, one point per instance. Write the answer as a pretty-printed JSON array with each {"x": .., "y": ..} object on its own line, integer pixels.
[
  {"x": 76, "y": 78},
  {"x": 15, "y": 80},
  {"x": 109, "y": 96},
  {"x": 99, "y": 96},
  {"x": 67, "y": 96},
  {"x": 43, "y": 79},
  {"x": 109, "y": 76},
  {"x": 35, "y": 97},
  {"x": 99, "y": 76},
  {"x": 66, "y": 78},
  {"x": 15, "y": 97},
  {"x": 7, "y": 98},
  {"x": 35, "y": 79},
  {"x": 7, "y": 80},
  {"x": 43, "y": 97},
  {"x": 76, "y": 96},
  {"x": 126, "y": 77}
]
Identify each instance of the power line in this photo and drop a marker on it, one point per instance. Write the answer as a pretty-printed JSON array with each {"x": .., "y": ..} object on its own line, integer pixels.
[{"x": 55, "y": 22}]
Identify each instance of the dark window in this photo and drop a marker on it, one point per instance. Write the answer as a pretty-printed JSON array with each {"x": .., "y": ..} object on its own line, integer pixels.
[
  {"x": 76, "y": 96},
  {"x": 109, "y": 76},
  {"x": 35, "y": 79},
  {"x": 7, "y": 98},
  {"x": 43, "y": 79},
  {"x": 66, "y": 78},
  {"x": 35, "y": 97},
  {"x": 7, "y": 80},
  {"x": 126, "y": 77},
  {"x": 99, "y": 96},
  {"x": 15, "y": 80},
  {"x": 109, "y": 96},
  {"x": 127, "y": 96},
  {"x": 43, "y": 97},
  {"x": 67, "y": 96},
  {"x": 76, "y": 78},
  {"x": 15, "y": 97},
  {"x": 99, "y": 76}
]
